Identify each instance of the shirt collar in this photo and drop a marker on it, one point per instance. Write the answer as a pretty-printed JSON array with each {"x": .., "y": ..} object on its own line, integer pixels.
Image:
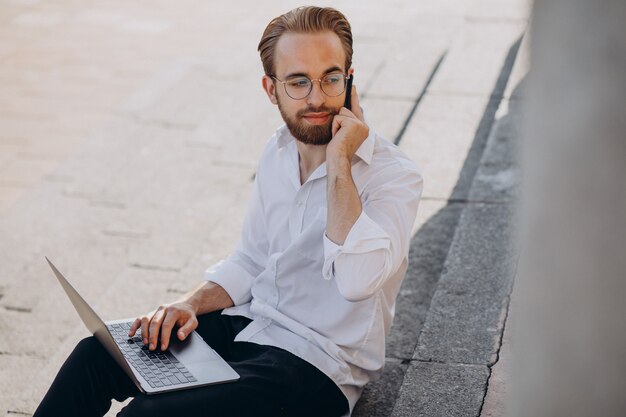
[
  {"x": 284, "y": 136},
  {"x": 365, "y": 151}
]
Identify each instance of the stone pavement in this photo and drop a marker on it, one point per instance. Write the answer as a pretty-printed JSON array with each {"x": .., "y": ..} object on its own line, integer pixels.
[{"x": 127, "y": 148}]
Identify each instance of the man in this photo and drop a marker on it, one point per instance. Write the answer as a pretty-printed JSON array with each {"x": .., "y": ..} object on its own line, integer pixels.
[{"x": 301, "y": 308}]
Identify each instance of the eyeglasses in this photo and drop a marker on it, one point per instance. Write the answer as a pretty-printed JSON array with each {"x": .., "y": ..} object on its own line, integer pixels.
[{"x": 299, "y": 88}]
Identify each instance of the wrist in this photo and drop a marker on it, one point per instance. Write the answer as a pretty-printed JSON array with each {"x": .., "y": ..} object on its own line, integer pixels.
[
  {"x": 208, "y": 297},
  {"x": 338, "y": 162},
  {"x": 336, "y": 152},
  {"x": 191, "y": 303},
  {"x": 194, "y": 300}
]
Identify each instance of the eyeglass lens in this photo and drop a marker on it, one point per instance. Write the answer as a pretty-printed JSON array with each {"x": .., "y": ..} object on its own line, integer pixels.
[{"x": 332, "y": 85}]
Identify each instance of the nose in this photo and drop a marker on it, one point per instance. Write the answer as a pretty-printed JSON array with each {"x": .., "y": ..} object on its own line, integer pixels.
[{"x": 317, "y": 97}]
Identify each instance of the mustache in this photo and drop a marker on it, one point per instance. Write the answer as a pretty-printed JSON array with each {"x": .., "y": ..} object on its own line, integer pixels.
[{"x": 322, "y": 109}]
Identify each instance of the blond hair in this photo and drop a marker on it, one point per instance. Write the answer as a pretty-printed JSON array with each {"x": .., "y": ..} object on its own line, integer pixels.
[{"x": 305, "y": 19}]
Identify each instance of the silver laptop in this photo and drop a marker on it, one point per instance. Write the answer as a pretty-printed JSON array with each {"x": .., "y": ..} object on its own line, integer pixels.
[{"x": 187, "y": 364}]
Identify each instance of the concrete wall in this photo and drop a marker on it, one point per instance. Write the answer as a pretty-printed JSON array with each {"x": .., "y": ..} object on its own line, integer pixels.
[{"x": 570, "y": 340}]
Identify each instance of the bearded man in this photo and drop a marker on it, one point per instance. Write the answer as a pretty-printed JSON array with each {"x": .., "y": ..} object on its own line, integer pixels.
[{"x": 302, "y": 306}]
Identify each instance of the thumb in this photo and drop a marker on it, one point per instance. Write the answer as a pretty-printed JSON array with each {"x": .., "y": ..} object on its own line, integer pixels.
[
  {"x": 187, "y": 328},
  {"x": 336, "y": 125}
]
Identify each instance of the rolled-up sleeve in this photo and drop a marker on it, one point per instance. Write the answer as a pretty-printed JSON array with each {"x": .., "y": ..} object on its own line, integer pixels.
[
  {"x": 237, "y": 272},
  {"x": 379, "y": 240}
]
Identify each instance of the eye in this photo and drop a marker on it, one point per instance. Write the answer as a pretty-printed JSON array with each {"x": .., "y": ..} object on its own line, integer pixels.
[
  {"x": 333, "y": 79},
  {"x": 299, "y": 83}
]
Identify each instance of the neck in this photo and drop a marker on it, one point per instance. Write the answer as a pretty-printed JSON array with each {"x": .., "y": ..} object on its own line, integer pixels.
[{"x": 310, "y": 157}]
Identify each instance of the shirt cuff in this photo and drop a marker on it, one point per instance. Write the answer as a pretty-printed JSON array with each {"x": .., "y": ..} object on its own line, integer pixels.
[
  {"x": 235, "y": 280},
  {"x": 364, "y": 236}
]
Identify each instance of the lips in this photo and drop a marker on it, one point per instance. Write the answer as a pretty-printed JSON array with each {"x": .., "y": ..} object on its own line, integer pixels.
[{"x": 316, "y": 118}]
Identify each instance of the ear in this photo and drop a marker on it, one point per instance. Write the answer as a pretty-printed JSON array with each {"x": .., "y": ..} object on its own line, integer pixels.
[{"x": 270, "y": 88}]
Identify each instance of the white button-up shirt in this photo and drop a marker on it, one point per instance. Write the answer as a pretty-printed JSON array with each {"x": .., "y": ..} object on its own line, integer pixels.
[{"x": 331, "y": 305}]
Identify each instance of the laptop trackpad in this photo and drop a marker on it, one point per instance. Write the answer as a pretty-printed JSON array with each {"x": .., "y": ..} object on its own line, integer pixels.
[{"x": 192, "y": 350}]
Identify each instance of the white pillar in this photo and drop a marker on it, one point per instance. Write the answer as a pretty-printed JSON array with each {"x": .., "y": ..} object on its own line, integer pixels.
[{"x": 569, "y": 343}]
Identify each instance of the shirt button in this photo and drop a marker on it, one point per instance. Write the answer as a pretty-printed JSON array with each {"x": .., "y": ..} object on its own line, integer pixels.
[{"x": 299, "y": 203}]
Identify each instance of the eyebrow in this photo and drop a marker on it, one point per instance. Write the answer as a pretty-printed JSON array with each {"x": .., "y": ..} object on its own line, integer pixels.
[{"x": 303, "y": 74}]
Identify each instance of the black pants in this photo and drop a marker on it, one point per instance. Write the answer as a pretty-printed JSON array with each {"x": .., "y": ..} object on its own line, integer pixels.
[{"x": 273, "y": 383}]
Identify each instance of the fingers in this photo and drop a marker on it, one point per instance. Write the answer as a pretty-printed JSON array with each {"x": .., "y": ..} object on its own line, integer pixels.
[
  {"x": 144, "y": 323},
  {"x": 344, "y": 116},
  {"x": 336, "y": 123},
  {"x": 187, "y": 328},
  {"x": 161, "y": 323},
  {"x": 134, "y": 327},
  {"x": 155, "y": 327},
  {"x": 145, "y": 332},
  {"x": 345, "y": 112},
  {"x": 166, "y": 328}
]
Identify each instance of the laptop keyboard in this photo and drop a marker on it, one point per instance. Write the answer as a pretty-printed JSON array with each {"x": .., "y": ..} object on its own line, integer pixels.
[{"x": 159, "y": 368}]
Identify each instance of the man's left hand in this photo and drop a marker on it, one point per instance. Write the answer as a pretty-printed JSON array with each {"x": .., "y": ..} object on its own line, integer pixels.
[{"x": 349, "y": 131}]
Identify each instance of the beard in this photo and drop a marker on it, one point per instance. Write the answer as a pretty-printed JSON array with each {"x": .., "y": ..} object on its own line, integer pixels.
[{"x": 307, "y": 133}]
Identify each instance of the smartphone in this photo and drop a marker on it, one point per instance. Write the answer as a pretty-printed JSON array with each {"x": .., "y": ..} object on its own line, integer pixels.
[{"x": 346, "y": 104}]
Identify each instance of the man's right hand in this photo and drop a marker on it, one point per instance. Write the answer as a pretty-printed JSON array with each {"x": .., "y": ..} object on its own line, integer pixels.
[{"x": 162, "y": 321}]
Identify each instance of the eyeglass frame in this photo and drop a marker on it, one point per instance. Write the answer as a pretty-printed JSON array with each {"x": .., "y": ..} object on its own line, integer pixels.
[{"x": 345, "y": 83}]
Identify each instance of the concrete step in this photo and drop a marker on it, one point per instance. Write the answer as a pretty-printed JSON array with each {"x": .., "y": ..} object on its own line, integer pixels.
[{"x": 465, "y": 323}]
